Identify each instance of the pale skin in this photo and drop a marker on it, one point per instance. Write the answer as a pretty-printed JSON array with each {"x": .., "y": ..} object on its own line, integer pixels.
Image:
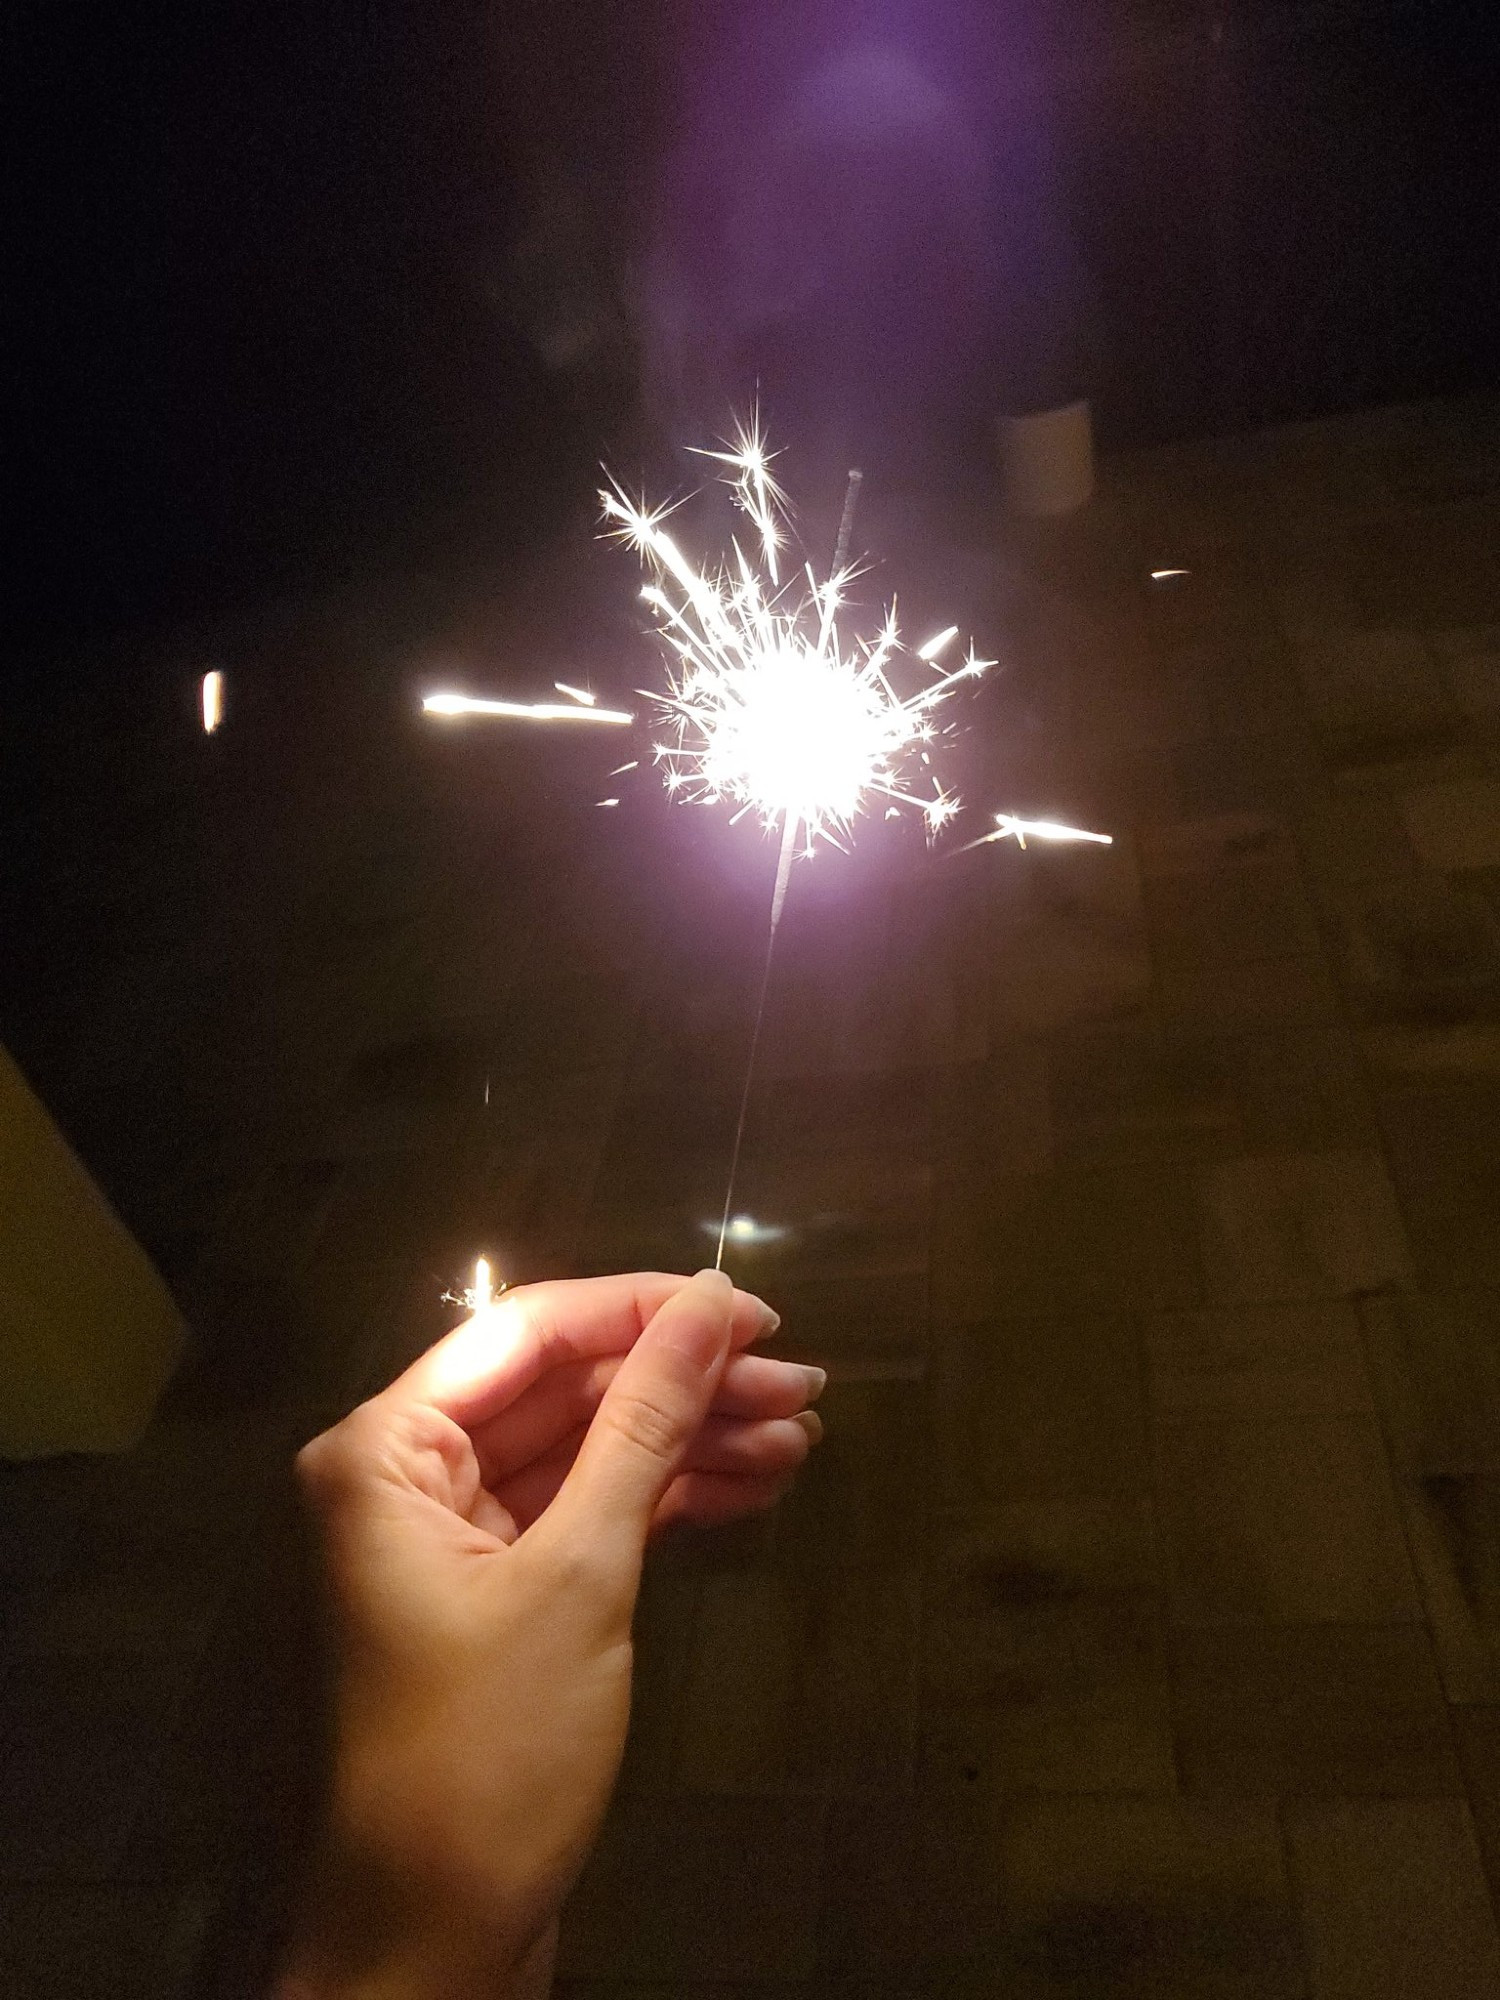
[{"x": 484, "y": 1522}]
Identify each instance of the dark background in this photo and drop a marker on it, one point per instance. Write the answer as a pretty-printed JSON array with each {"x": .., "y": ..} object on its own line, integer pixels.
[{"x": 276, "y": 315}]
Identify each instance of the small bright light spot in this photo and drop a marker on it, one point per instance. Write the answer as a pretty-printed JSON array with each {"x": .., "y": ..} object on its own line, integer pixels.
[
  {"x": 608, "y": 802},
  {"x": 484, "y": 1285},
  {"x": 577, "y": 694},
  {"x": 521, "y": 711},
  {"x": 1166, "y": 575},
  {"x": 213, "y": 701},
  {"x": 936, "y": 644},
  {"x": 747, "y": 1232}
]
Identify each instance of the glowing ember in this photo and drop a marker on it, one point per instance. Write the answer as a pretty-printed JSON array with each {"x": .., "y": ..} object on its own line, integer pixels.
[
  {"x": 481, "y": 1294},
  {"x": 524, "y": 711},
  {"x": 212, "y": 697},
  {"x": 770, "y": 707}
]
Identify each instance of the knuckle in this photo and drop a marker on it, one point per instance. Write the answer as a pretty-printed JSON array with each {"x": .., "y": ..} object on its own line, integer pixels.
[{"x": 647, "y": 1423}]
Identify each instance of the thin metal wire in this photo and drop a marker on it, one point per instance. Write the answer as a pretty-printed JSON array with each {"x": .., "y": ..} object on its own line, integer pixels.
[{"x": 778, "y": 897}]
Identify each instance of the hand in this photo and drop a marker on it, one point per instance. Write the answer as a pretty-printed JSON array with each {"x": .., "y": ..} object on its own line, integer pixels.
[{"x": 484, "y": 1522}]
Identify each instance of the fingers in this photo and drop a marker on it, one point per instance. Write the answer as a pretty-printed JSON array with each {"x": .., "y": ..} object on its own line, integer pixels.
[
  {"x": 637, "y": 1443},
  {"x": 753, "y": 1387},
  {"x": 485, "y": 1364},
  {"x": 709, "y": 1499},
  {"x": 752, "y": 1453}
]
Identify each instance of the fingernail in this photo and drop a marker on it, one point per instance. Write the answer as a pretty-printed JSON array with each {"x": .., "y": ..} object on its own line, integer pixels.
[
  {"x": 719, "y": 1279},
  {"x": 767, "y": 1324},
  {"x": 817, "y": 1382},
  {"x": 812, "y": 1423}
]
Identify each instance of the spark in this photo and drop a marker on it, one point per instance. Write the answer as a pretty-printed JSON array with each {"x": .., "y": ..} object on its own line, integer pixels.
[
  {"x": 1164, "y": 575},
  {"x": 935, "y": 645},
  {"x": 212, "y": 697},
  {"x": 479, "y": 1296},
  {"x": 576, "y": 694},
  {"x": 607, "y": 802},
  {"x": 523, "y": 711},
  {"x": 1011, "y": 826},
  {"x": 772, "y": 707},
  {"x": 620, "y": 769}
]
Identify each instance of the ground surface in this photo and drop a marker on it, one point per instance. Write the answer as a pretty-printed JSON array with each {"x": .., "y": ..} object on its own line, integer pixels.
[{"x": 1136, "y": 1630}]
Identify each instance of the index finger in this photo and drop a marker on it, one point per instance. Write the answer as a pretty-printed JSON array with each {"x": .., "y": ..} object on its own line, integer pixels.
[{"x": 484, "y": 1364}]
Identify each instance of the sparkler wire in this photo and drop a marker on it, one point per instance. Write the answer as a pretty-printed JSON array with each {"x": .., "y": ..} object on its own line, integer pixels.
[{"x": 778, "y": 898}]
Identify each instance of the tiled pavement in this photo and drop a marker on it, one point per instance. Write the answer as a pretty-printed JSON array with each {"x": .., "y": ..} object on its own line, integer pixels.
[{"x": 1136, "y": 1629}]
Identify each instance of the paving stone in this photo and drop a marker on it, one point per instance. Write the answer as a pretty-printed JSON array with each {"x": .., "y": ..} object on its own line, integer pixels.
[
  {"x": 82, "y": 1737},
  {"x": 1257, "y": 1362},
  {"x": 1451, "y": 1517},
  {"x": 1281, "y": 1522},
  {"x": 117, "y": 1941},
  {"x": 995, "y": 1117},
  {"x": 1042, "y": 1657},
  {"x": 1477, "y": 1732},
  {"x": 1428, "y": 953},
  {"x": 1394, "y": 1900},
  {"x": 861, "y": 1502},
  {"x": 1264, "y": 772},
  {"x": 1127, "y": 1094},
  {"x": 1046, "y": 1409},
  {"x": 844, "y": 1215},
  {"x": 1326, "y": 1710},
  {"x": 684, "y": 1886},
  {"x": 1069, "y": 944},
  {"x": 1473, "y": 680},
  {"x": 1442, "y": 1145},
  {"x": 1272, "y": 993},
  {"x": 1225, "y": 892},
  {"x": 1455, "y": 825},
  {"x": 859, "y": 1325},
  {"x": 1147, "y": 1896},
  {"x": 663, "y": 1633},
  {"x": 1097, "y": 1238},
  {"x": 1298, "y": 1090},
  {"x": 1377, "y": 697},
  {"x": 909, "y": 1892},
  {"x": 738, "y": 1721},
  {"x": 1290, "y": 1226}
]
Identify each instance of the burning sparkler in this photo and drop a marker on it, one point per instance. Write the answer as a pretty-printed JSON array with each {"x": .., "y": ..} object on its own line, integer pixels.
[{"x": 770, "y": 707}]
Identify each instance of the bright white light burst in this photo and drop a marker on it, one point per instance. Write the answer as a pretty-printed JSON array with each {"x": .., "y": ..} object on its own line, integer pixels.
[{"x": 771, "y": 707}]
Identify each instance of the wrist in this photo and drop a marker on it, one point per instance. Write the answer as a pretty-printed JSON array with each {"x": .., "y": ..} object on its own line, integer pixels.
[{"x": 408, "y": 1922}]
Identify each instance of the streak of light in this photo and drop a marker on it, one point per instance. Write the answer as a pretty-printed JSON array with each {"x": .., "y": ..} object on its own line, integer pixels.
[
  {"x": 1010, "y": 826},
  {"x": 523, "y": 711},
  {"x": 211, "y": 695}
]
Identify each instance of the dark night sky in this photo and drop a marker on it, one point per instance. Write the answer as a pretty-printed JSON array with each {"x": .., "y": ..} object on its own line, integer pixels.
[{"x": 284, "y": 284}]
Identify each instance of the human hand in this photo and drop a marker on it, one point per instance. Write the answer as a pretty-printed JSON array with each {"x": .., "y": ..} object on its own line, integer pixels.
[{"x": 484, "y": 1521}]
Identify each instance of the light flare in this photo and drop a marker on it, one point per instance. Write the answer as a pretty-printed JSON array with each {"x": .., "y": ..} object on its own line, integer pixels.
[
  {"x": 524, "y": 711},
  {"x": 211, "y": 696},
  {"x": 771, "y": 707}
]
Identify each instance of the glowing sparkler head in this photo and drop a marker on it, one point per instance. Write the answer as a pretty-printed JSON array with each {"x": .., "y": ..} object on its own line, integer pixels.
[{"x": 770, "y": 707}]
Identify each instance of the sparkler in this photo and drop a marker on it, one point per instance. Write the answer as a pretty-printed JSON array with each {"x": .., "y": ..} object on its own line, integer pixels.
[{"x": 770, "y": 706}]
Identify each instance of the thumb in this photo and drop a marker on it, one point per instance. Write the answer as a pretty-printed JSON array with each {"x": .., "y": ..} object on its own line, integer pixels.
[{"x": 643, "y": 1426}]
